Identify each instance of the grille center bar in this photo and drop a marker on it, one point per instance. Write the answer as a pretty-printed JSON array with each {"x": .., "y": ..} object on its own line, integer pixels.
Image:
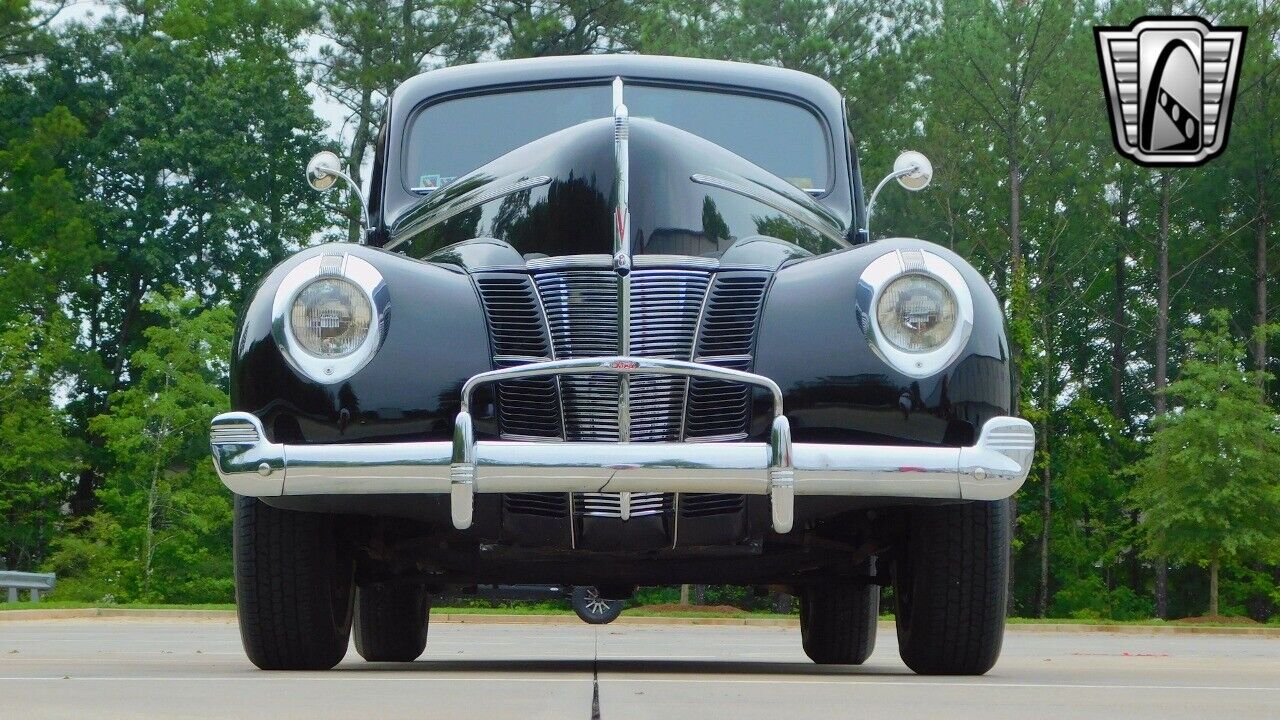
[{"x": 622, "y": 248}]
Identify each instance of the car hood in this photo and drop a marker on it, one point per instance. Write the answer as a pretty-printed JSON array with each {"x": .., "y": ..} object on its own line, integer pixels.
[{"x": 555, "y": 197}]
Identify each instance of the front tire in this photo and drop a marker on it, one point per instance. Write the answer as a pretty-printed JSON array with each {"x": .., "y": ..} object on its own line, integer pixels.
[
  {"x": 294, "y": 587},
  {"x": 391, "y": 622},
  {"x": 951, "y": 586},
  {"x": 592, "y": 608},
  {"x": 838, "y": 622}
]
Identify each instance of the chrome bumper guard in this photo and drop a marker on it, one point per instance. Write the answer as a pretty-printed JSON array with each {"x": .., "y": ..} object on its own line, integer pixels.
[{"x": 992, "y": 469}]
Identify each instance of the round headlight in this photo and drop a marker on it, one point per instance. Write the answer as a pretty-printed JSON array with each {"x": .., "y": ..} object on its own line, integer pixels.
[
  {"x": 916, "y": 313},
  {"x": 330, "y": 318}
]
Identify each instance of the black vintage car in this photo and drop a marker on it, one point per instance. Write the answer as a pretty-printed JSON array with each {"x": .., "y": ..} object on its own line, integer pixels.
[{"x": 619, "y": 320}]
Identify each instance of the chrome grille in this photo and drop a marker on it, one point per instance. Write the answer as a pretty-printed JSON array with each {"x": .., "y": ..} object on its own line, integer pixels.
[
  {"x": 695, "y": 505},
  {"x": 606, "y": 504},
  {"x": 564, "y": 310},
  {"x": 665, "y": 305},
  {"x": 552, "y": 505},
  {"x": 518, "y": 335},
  {"x": 515, "y": 321},
  {"x": 581, "y": 308},
  {"x": 234, "y": 433},
  {"x": 720, "y": 410}
]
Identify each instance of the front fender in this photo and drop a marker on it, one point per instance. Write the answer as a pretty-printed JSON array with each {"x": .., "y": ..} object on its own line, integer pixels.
[
  {"x": 836, "y": 389},
  {"x": 435, "y": 339}
]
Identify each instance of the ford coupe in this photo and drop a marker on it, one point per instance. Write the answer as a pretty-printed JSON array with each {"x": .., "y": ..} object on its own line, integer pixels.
[{"x": 617, "y": 321}]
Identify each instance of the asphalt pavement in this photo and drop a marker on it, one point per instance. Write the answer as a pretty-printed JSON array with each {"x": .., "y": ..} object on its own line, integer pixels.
[{"x": 176, "y": 669}]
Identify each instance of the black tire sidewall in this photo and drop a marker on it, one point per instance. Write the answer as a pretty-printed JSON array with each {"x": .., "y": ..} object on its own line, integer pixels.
[
  {"x": 838, "y": 622},
  {"x": 294, "y": 586},
  {"x": 951, "y": 588},
  {"x": 579, "y": 602},
  {"x": 391, "y": 622}
]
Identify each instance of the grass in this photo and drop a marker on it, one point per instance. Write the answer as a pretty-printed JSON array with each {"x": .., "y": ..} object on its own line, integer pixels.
[
  {"x": 513, "y": 610},
  {"x": 73, "y": 604},
  {"x": 1083, "y": 621},
  {"x": 706, "y": 614},
  {"x": 1147, "y": 621},
  {"x": 542, "y": 609},
  {"x": 632, "y": 612}
]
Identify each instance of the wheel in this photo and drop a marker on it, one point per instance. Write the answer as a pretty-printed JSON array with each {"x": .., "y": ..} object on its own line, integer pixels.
[
  {"x": 594, "y": 609},
  {"x": 294, "y": 587},
  {"x": 951, "y": 586},
  {"x": 391, "y": 622},
  {"x": 838, "y": 622}
]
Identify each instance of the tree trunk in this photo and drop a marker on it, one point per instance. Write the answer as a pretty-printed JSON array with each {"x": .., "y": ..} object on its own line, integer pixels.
[
  {"x": 1260, "y": 285},
  {"x": 355, "y": 158},
  {"x": 153, "y": 497},
  {"x": 1015, "y": 263},
  {"x": 12, "y": 551},
  {"x": 84, "y": 500},
  {"x": 1046, "y": 508},
  {"x": 1162, "y": 299},
  {"x": 409, "y": 44},
  {"x": 1015, "y": 349},
  {"x": 148, "y": 537},
  {"x": 1119, "y": 360},
  {"x": 684, "y": 595},
  {"x": 1046, "y": 431},
  {"x": 1213, "y": 588},
  {"x": 1162, "y": 362}
]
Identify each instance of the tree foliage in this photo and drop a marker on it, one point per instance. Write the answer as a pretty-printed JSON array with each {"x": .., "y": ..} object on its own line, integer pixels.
[
  {"x": 44, "y": 255},
  {"x": 1207, "y": 488},
  {"x": 162, "y": 531}
]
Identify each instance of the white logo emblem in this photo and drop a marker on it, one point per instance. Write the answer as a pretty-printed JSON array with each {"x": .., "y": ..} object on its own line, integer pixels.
[{"x": 1170, "y": 85}]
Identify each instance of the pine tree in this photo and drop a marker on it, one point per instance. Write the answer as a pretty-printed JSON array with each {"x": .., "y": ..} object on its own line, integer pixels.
[{"x": 1208, "y": 490}]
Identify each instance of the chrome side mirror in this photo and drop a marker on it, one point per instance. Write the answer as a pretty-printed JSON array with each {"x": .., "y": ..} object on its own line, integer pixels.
[
  {"x": 912, "y": 170},
  {"x": 323, "y": 172}
]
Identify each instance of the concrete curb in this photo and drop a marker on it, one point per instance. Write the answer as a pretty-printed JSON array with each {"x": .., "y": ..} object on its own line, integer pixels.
[
  {"x": 134, "y": 613},
  {"x": 482, "y": 619},
  {"x": 1259, "y": 631}
]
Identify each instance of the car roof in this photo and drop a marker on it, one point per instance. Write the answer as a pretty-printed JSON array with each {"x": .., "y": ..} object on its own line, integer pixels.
[
  {"x": 604, "y": 67},
  {"x": 819, "y": 94}
]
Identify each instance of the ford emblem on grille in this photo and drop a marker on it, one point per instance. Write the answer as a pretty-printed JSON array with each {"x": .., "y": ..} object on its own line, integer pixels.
[{"x": 624, "y": 364}]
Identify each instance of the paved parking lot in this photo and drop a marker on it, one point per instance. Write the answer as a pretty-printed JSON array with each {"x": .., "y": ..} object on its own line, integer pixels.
[{"x": 91, "y": 669}]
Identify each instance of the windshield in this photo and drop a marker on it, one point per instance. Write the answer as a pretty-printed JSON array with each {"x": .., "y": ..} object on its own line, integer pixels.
[{"x": 451, "y": 138}]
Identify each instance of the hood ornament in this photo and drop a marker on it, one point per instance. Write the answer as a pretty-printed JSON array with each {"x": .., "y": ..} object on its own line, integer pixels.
[
  {"x": 621, "y": 182},
  {"x": 622, "y": 248}
]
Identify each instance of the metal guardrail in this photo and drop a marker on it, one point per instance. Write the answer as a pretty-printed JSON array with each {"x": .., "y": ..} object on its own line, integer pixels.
[{"x": 34, "y": 582}]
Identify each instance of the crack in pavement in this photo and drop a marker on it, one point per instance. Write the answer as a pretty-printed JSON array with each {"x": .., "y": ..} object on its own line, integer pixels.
[{"x": 595, "y": 678}]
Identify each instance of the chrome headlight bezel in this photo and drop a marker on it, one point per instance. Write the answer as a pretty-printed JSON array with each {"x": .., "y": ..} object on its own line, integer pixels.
[
  {"x": 879, "y": 275},
  {"x": 343, "y": 266}
]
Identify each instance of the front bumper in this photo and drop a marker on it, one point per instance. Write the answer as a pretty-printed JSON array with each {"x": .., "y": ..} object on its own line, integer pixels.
[{"x": 992, "y": 469}]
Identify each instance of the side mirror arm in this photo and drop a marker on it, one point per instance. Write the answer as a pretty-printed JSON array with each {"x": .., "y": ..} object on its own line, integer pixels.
[
  {"x": 912, "y": 170},
  {"x": 323, "y": 170},
  {"x": 871, "y": 204},
  {"x": 354, "y": 187}
]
